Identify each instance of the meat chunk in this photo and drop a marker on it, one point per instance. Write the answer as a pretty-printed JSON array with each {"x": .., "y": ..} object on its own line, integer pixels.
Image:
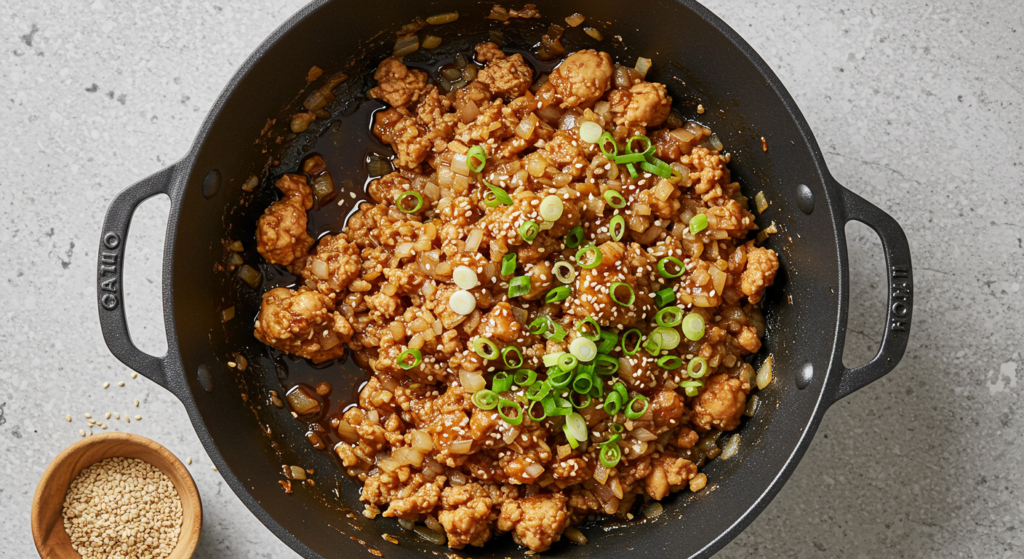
[
  {"x": 507, "y": 76},
  {"x": 593, "y": 288},
  {"x": 302, "y": 323},
  {"x": 281, "y": 236},
  {"x": 668, "y": 471},
  {"x": 582, "y": 78},
  {"x": 667, "y": 408},
  {"x": 333, "y": 267},
  {"x": 721, "y": 403},
  {"x": 644, "y": 104},
  {"x": 467, "y": 516},
  {"x": 486, "y": 52},
  {"x": 405, "y": 134},
  {"x": 397, "y": 85},
  {"x": 762, "y": 264},
  {"x": 537, "y": 521}
]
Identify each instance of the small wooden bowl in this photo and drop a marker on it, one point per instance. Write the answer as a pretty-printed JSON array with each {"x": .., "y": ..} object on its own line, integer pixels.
[{"x": 52, "y": 540}]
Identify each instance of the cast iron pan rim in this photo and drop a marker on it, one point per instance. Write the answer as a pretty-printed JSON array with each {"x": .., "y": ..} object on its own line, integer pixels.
[{"x": 174, "y": 367}]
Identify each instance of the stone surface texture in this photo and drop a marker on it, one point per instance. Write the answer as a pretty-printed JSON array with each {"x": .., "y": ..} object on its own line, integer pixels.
[{"x": 918, "y": 106}]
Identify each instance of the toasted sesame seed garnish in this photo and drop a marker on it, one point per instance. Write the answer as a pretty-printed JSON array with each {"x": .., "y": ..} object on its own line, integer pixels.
[{"x": 106, "y": 385}]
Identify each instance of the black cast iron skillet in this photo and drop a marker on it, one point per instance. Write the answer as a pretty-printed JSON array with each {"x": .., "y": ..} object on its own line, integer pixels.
[{"x": 702, "y": 61}]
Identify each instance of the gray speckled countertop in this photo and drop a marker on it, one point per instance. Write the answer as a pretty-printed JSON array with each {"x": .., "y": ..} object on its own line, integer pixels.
[{"x": 918, "y": 106}]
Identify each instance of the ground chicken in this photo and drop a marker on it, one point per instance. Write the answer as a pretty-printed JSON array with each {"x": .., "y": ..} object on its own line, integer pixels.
[
  {"x": 762, "y": 264},
  {"x": 537, "y": 521},
  {"x": 721, "y": 403},
  {"x": 582, "y": 78},
  {"x": 645, "y": 104},
  {"x": 333, "y": 267},
  {"x": 397, "y": 85},
  {"x": 405, "y": 134},
  {"x": 668, "y": 471},
  {"x": 467, "y": 516},
  {"x": 281, "y": 236},
  {"x": 507, "y": 77},
  {"x": 302, "y": 323}
]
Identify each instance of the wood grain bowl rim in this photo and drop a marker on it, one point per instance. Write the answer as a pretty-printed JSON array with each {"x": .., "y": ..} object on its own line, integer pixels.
[{"x": 48, "y": 533}]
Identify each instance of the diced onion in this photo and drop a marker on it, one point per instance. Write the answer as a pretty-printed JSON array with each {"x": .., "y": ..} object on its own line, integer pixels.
[
  {"x": 347, "y": 432},
  {"x": 551, "y": 208},
  {"x": 573, "y": 534},
  {"x": 459, "y": 164},
  {"x": 652, "y": 510},
  {"x": 583, "y": 349},
  {"x": 643, "y": 434},
  {"x": 407, "y": 456},
  {"x": 534, "y": 470},
  {"x": 600, "y": 473},
  {"x": 731, "y": 447},
  {"x": 511, "y": 436},
  {"x": 590, "y": 132},
  {"x": 643, "y": 65},
  {"x": 550, "y": 114},
  {"x": 525, "y": 127},
  {"x": 473, "y": 240},
  {"x": 716, "y": 143},
  {"x": 461, "y": 447},
  {"x": 301, "y": 402},
  {"x": 431, "y": 42},
  {"x": 406, "y": 45},
  {"x": 462, "y": 302},
  {"x": 319, "y": 268},
  {"x": 594, "y": 33},
  {"x": 760, "y": 202},
  {"x": 446, "y": 17},
  {"x": 472, "y": 382},
  {"x": 764, "y": 374},
  {"x": 575, "y": 19},
  {"x": 421, "y": 440},
  {"x": 465, "y": 277}
]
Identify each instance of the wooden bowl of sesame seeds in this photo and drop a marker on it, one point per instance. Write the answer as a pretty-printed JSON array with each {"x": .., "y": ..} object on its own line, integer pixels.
[{"x": 49, "y": 509}]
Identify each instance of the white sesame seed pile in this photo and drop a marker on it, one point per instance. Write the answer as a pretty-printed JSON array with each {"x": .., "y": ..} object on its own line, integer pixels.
[{"x": 122, "y": 508}]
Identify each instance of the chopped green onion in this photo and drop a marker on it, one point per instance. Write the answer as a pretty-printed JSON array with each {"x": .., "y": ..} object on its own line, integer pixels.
[
  {"x": 631, "y": 348},
  {"x": 485, "y": 399},
  {"x": 617, "y": 227},
  {"x": 476, "y": 153},
  {"x": 551, "y": 208},
  {"x": 664, "y": 297},
  {"x": 616, "y": 428},
  {"x": 539, "y": 326},
  {"x": 400, "y": 201},
  {"x": 573, "y": 443},
  {"x": 589, "y": 329},
  {"x": 551, "y": 359},
  {"x": 598, "y": 389},
  {"x": 629, "y": 158},
  {"x": 403, "y": 360},
  {"x": 508, "y": 264},
  {"x": 590, "y": 132},
  {"x": 613, "y": 439},
  {"x": 564, "y": 272},
  {"x": 660, "y": 168},
  {"x": 698, "y": 223},
  {"x": 557, "y": 294},
  {"x": 520, "y": 285},
  {"x": 525, "y": 377},
  {"x": 583, "y": 349},
  {"x": 517, "y": 360},
  {"x": 612, "y": 404},
  {"x": 499, "y": 193},
  {"x": 614, "y": 289},
  {"x": 502, "y": 382},
  {"x": 668, "y": 337},
  {"x": 561, "y": 406},
  {"x": 528, "y": 230},
  {"x": 670, "y": 362},
  {"x": 538, "y": 418},
  {"x": 610, "y": 455},
  {"x": 511, "y": 420},
  {"x": 691, "y": 387},
  {"x": 594, "y": 261},
  {"x": 577, "y": 426},
  {"x": 632, "y": 170},
  {"x": 567, "y": 362},
  {"x": 560, "y": 379},
  {"x": 606, "y": 365},
  {"x": 614, "y": 199},
  {"x": 693, "y": 326},
  {"x": 631, "y": 411},
  {"x": 652, "y": 344},
  {"x": 575, "y": 237},
  {"x": 582, "y": 383},
  {"x": 556, "y": 333},
  {"x": 486, "y": 348},
  {"x": 649, "y": 150},
  {"x": 620, "y": 389},
  {"x": 609, "y": 340},
  {"x": 538, "y": 390},
  {"x": 697, "y": 368},
  {"x": 602, "y": 143},
  {"x": 491, "y": 199},
  {"x": 579, "y": 401},
  {"x": 669, "y": 316},
  {"x": 664, "y": 270}
]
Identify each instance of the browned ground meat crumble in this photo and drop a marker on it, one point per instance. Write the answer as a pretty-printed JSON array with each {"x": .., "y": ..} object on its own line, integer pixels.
[{"x": 416, "y": 440}]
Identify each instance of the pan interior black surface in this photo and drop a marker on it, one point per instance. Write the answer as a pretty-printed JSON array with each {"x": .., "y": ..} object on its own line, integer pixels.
[{"x": 694, "y": 54}]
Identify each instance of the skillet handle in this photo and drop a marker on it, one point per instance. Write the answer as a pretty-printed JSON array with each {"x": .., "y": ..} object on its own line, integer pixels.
[
  {"x": 110, "y": 267},
  {"x": 900, "y": 280}
]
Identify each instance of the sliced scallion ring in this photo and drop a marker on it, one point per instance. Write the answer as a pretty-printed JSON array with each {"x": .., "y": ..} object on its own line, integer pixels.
[
  {"x": 616, "y": 428},
  {"x": 560, "y": 379},
  {"x": 510, "y": 419},
  {"x": 610, "y": 455},
  {"x": 603, "y": 142},
  {"x": 697, "y": 368},
  {"x": 588, "y": 262},
  {"x": 589, "y": 329},
  {"x": 528, "y": 230},
  {"x": 539, "y": 326},
  {"x": 499, "y": 193},
  {"x": 551, "y": 359},
  {"x": 669, "y": 316},
  {"x": 557, "y": 294},
  {"x": 606, "y": 365},
  {"x": 609, "y": 341},
  {"x": 567, "y": 362},
  {"x": 524, "y": 377},
  {"x": 669, "y": 337},
  {"x": 519, "y": 286},
  {"x": 663, "y": 170},
  {"x": 583, "y": 349},
  {"x": 631, "y": 347},
  {"x": 538, "y": 417},
  {"x": 576, "y": 425},
  {"x": 698, "y": 223},
  {"x": 551, "y": 208},
  {"x": 538, "y": 390},
  {"x": 555, "y": 331},
  {"x": 485, "y": 399},
  {"x": 403, "y": 205},
  {"x": 648, "y": 149},
  {"x": 513, "y": 359},
  {"x": 476, "y": 154},
  {"x": 631, "y": 411},
  {"x": 665, "y": 267},
  {"x": 612, "y": 404},
  {"x": 403, "y": 358},
  {"x": 582, "y": 383},
  {"x": 502, "y": 382},
  {"x": 573, "y": 443},
  {"x": 508, "y": 264},
  {"x": 670, "y": 362},
  {"x": 564, "y": 272},
  {"x": 665, "y": 297},
  {"x": 620, "y": 389},
  {"x": 616, "y": 289},
  {"x": 486, "y": 348},
  {"x": 575, "y": 237},
  {"x": 632, "y": 170},
  {"x": 617, "y": 227},
  {"x": 614, "y": 199},
  {"x": 691, "y": 387},
  {"x": 693, "y": 326},
  {"x": 630, "y": 158}
]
